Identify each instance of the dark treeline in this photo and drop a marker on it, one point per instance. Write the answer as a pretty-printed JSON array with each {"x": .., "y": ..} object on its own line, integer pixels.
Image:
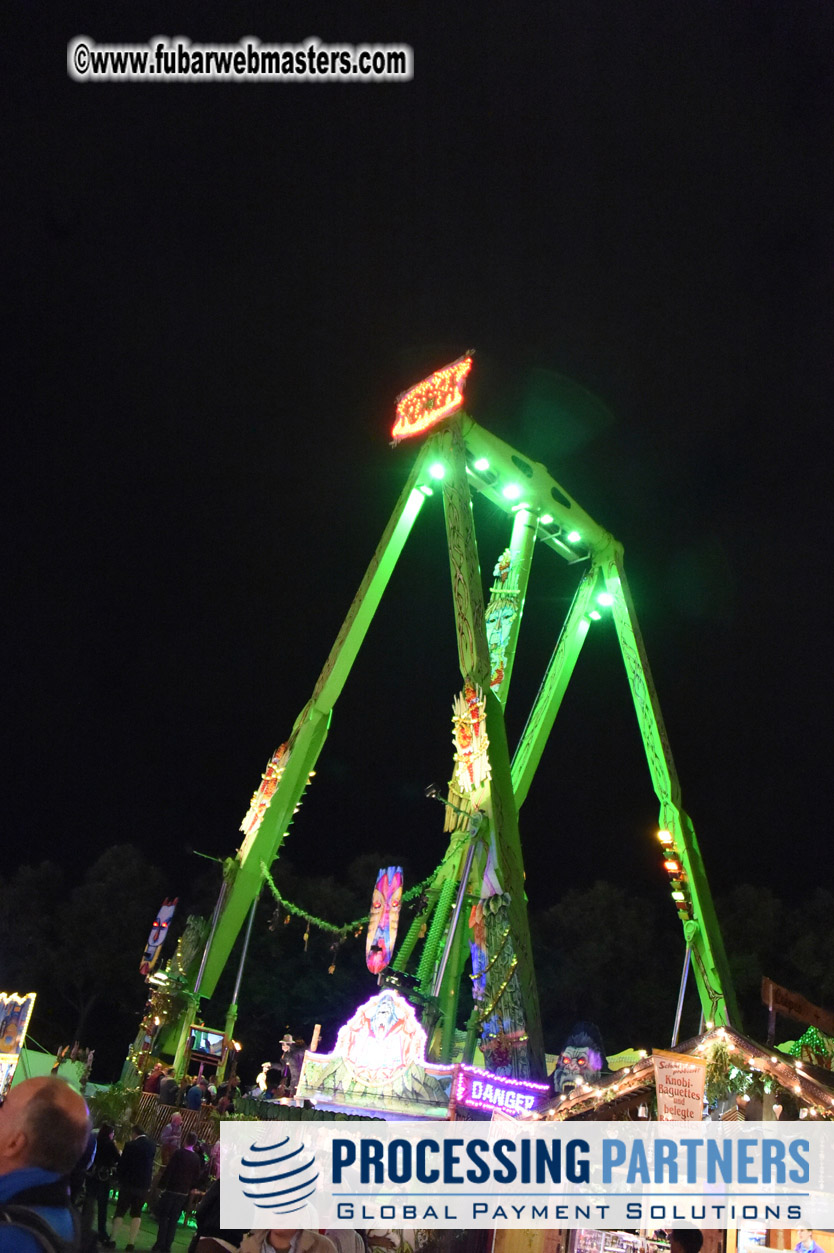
[{"x": 76, "y": 936}]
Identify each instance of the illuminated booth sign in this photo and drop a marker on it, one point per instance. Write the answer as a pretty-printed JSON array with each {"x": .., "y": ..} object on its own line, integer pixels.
[
  {"x": 15, "y": 1012},
  {"x": 480, "y": 1089}
]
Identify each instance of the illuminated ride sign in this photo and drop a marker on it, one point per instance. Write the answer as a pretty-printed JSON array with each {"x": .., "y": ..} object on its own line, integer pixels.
[
  {"x": 378, "y": 1063},
  {"x": 432, "y": 400},
  {"x": 481, "y": 1089}
]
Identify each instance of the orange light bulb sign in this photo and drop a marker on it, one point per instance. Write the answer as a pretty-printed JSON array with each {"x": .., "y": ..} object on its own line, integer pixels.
[{"x": 432, "y": 400}]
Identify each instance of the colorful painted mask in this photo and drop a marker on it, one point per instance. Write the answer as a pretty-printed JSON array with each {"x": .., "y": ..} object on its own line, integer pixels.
[
  {"x": 385, "y": 914},
  {"x": 157, "y": 936}
]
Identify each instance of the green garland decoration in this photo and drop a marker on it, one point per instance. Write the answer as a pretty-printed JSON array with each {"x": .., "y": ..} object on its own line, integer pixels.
[
  {"x": 312, "y": 921},
  {"x": 814, "y": 1042},
  {"x": 725, "y": 1077}
]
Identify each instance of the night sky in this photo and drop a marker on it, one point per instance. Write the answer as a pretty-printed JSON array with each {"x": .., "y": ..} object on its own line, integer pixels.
[{"x": 217, "y": 292}]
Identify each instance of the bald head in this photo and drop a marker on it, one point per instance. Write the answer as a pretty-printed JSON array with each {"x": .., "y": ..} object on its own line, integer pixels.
[{"x": 43, "y": 1122}]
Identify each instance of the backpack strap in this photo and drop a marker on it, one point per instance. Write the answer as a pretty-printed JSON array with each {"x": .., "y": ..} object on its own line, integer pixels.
[
  {"x": 27, "y": 1219},
  {"x": 55, "y": 1194}
]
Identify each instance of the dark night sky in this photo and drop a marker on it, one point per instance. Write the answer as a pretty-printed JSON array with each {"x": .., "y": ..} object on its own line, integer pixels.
[{"x": 217, "y": 292}]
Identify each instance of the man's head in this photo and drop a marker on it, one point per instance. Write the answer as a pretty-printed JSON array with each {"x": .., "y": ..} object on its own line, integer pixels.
[
  {"x": 43, "y": 1122},
  {"x": 190, "y": 1139},
  {"x": 685, "y": 1240},
  {"x": 136, "y": 1131},
  {"x": 176, "y": 1120},
  {"x": 806, "y": 1236},
  {"x": 281, "y": 1238}
]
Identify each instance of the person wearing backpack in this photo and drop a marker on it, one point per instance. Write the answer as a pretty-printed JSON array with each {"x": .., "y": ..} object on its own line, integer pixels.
[{"x": 44, "y": 1127}]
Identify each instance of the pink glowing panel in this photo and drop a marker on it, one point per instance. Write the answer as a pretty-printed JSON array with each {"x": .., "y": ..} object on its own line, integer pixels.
[{"x": 480, "y": 1089}]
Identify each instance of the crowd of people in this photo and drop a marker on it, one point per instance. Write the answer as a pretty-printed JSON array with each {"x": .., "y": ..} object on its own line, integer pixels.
[
  {"x": 193, "y": 1091},
  {"x": 57, "y": 1175}
]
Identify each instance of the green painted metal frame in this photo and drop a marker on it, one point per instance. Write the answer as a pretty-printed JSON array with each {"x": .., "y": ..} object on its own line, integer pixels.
[{"x": 463, "y": 444}]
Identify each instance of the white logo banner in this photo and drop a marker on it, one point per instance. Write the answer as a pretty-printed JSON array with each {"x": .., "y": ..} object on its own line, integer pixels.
[{"x": 525, "y": 1175}]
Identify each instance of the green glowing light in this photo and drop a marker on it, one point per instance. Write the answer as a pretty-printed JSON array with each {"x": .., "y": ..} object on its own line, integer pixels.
[
  {"x": 481, "y": 464},
  {"x": 437, "y": 470},
  {"x": 511, "y": 492},
  {"x": 595, "y": 615},
  {"x": 605, "y": 599},
  {"x": 546, "y": 519},
  {"x": 573, "y": 537}
]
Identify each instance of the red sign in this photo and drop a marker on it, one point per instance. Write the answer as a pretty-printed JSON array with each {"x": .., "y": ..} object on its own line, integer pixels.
[{"x": 427, "y": 403}]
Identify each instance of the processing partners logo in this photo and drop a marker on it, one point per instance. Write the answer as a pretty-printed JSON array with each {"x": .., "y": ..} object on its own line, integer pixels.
[
  {"x": 516, "y": 1174},
  {"x": 278, "y": 1177}
]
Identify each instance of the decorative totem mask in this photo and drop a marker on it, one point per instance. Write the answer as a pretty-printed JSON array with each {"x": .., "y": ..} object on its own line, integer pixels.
[
  {"x": 385, "y": 914},
  {"x": 157, "y": 936}
]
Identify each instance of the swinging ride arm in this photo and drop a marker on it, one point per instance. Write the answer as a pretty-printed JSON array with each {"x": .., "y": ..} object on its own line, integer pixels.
[{"x": 263, "y": 841}]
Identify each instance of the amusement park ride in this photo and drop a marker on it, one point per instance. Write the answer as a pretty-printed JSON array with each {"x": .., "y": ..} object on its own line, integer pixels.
[{"x": 475, "y": 905}]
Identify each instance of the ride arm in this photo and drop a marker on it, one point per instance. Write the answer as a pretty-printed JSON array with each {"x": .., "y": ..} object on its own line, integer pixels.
[
  {"x": 311, "y": 727},
  {"x": 495, "y": 799}
]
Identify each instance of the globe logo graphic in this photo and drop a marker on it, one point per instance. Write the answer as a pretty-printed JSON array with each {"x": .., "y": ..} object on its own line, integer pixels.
[{"x": 278, "y": 1178}]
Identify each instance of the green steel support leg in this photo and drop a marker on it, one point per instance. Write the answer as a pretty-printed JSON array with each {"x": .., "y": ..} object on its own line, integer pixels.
[
  {"x": 470, "y": 1044},
  {"x": 310, "y": 730},
  {"x": 451, "y": 995},
  {"x": 185, "y": 1031},
  {"x": 709, "y": 960}
]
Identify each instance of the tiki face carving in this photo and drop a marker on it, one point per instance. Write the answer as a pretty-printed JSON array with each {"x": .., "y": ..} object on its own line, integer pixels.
[
  {"x": 385, "y": 913},
  {"x": 157, "y": 936}
]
